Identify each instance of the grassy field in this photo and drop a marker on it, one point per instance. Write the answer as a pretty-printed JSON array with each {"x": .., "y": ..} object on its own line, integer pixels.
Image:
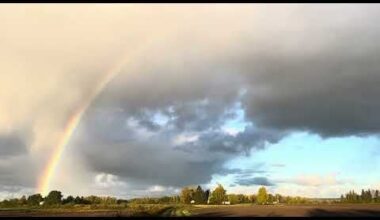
[{"x": 201, "y": 210}]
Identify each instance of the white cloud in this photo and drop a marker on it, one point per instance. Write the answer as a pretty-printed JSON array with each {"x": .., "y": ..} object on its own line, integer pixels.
[
  {"x": 107, "y": 180},
  {"x": 185, "y": 138}
]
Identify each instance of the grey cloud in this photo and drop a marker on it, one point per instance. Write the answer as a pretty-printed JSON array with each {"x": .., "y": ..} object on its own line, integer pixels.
[
  {"x": 254, "y": 181},
  {"x": 20, "y": 171},
  {"x": 327, "y": 87},
  {"x": 149, "y": 157},
  {"x": 243, "y": 142},
  {"x": 11, "y": 145},
  {"x": 300, "y": 71},
  {"x": 297, "y": 76},
  {"x": 242, "y": 172},
  {"x": 328, "y": 84}
]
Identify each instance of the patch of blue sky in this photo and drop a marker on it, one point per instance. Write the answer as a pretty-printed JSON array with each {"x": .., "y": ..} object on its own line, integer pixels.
[
  {"x": 238, "y": 123},
  {"x": 303, "y": 153},
  {"x": 160, "y": 119}
]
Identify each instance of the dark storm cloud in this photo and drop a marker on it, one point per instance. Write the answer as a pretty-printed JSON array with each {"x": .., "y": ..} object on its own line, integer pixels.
[
  {"x": 254, "y": 181},
  {"x": 156, "y": 165},
  {"x": 151, "y": 157},
  {"x": 11, "y": 145},
  {"x": 316, "y": 74},
  {"x": 327, "y": 83},
  {"x": 160, "y": 161},
  {"x": 18, "y": 171},
  {"x": 292, "y": 68},
  {"x": 217, "y": 141}
]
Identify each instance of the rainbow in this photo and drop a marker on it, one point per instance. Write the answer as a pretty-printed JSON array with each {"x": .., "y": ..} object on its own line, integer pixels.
[{"x": 49, "y": 170}]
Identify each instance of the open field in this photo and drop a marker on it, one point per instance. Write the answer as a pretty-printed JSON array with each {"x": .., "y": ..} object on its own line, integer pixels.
[
  {"x": 208, "y": 211},
  {"x": 290, "y": 210}
]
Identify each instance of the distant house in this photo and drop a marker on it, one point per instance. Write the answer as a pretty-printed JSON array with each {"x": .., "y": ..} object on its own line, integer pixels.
[
  {"x": 192, "y": 201},
  {"x": 42, "y": 202},
  {"x": 226, "y": 203}
]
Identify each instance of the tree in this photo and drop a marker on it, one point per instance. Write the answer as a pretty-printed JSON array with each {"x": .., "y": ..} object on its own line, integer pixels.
[
  {"x": 279, "y": 198},
  {"x": 377, "y": 198},
  {"x": 68, "y": 200},
  {"x": 271, "y": 198},
  {"x": 94, "y": 199},
  {"x": 186, "y": 195},
  {"x": 200, "y": 196},
  {"x": 34, "y": 200},
  {"x": 233, "y": 198},
  {"x": 253, "y": 198},
  {"x": 53, "y": 198},
  {"x": 207, "y": 195},
  {"x": 218, "y": 196},
  {"x": 22, "y": 201},
  {"x": 262, "y": 195}
]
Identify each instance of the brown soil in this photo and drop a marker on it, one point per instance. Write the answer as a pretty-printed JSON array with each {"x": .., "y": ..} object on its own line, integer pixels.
[
  {"x": 291, "y": 210},
  {"x": 350, "y": 210},
  {"x": 63, "y": 214}
]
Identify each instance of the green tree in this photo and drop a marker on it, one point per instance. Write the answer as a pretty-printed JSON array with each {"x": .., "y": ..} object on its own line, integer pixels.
[
  {"x": 108, "y": 200},
  {"x": 34, "y": 200},
  {"x": 342, "y": 199},
  {"x": 271, "y": 198},
  {"x": 94, "y": 199},
  {"x": 253, "y": 198},
  {"x": 377, "y": 198},
  {"x": 278, "y": 198},
  {"x": 233, "y": 198},
  {"x": 22, "y": 201},
  {"x": 218, "y": 196},
  {"x": 186, "y": 195},
  {"x": 68, "y": 200},
  {"x": 262, "y": 196},
  {"x": 200, "y": 196},
  {"x": 53, "y": 198}
]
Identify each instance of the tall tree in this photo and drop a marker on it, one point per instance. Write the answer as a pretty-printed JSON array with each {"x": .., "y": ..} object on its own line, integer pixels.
[
  {"x": 34, "y": 200},
  {"x": 377, "y": 198},
  {"x": 53, "y": 198},
  {"x": 218, "y": 196},
  {"x": 262, "y": 195},
  {"x": 207, "y": 195},
  {"x": 200, "y": 196},
  {"x": 22, "y": 201},
  {"x": 186, "y": 195},
  {"x": 68, "y": 200}
]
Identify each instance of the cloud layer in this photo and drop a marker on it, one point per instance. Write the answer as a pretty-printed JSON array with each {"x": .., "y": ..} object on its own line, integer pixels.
[{"x": 187, "y": 68}]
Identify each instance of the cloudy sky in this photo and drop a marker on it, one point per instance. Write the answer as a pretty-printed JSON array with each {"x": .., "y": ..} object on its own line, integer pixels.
[{"x": 285, "y": 96}]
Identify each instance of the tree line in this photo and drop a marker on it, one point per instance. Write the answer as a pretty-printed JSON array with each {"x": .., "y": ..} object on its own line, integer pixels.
[
  {"x": 219, "y": 196},
  {"x": 188, "y": 195},
  {"x": 366, "y": 196},
  {"x": 55, "y": 198}
]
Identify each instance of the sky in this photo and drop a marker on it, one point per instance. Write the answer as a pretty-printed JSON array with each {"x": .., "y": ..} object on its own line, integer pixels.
[{"x": 246, "y": 95}]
